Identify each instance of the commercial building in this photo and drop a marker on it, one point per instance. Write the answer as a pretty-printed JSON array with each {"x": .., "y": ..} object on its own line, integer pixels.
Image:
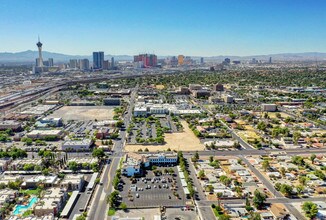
[
  {"x": 218, "y": 87},
  {"x": 42, "y": 134},
  {"x": 181, "y": 59},
  {"x": 76, "y": 145},
  {"x": 49, "y": 122},
  {"x": 73, "y": 182},
  {"x": 147, "y": 60},
  {"x": 195, "y": 87},
  {"x": 269, "y": 107},
  {"x": 106, "y": 65},
  {"x": 106, "y": 123},
  {"x": 73, "y": 64},
  {"x": 201, "y": 93},
  {"x": 133, "y": 162},
  {"x": 10, "y": 124},
  {"x": 162, "y": 159},
  {"x": 104, "y": 133},
  {"x": 140, "y": 111},
  {"x": 50, "y": 60},
  {"x": 84, "y": 64},
  {"x": 98, "y": 59},
  {"x": 228, "y": 99},
  {"x": 227, "y": 61},
  {"x": 112, "y": 63},
  {"x": 112, "y": 101}
]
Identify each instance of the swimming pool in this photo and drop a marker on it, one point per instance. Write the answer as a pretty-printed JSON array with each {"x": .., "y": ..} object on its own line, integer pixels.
[{"x": 20, "y": 209}]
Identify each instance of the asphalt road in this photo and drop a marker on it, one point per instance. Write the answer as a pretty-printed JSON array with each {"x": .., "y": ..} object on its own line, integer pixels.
[{"x": 99, "y": 207}]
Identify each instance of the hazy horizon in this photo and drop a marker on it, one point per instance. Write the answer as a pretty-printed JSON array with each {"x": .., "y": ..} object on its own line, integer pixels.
[{"x": 195, "y": 28}]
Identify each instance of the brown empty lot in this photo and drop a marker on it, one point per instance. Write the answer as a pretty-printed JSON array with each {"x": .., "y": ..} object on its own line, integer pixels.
[
  {"x": 184, "y": 141},
  {"x": 84, "y": 113}
]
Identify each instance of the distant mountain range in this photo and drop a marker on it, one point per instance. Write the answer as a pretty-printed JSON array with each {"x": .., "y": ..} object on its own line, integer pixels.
[{"x": 29, "y": 57}]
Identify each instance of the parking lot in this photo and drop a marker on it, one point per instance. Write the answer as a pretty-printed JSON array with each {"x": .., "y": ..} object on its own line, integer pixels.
[
  {"x": 153, "y": 191},
  {"x": 180, "y": 214}
]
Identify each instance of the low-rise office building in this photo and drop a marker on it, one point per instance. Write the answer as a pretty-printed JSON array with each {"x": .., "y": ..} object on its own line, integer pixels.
[
  {"x": 76, "y": 145},
  {"x": 112, "y": 101},
  {"x": 73, "y": 182},
  {"x": 42, "y": 134},
  {"x": 269, "y": 107},
  {"x": 10, "y": 124},
  {"x": 133, "y": 162}
]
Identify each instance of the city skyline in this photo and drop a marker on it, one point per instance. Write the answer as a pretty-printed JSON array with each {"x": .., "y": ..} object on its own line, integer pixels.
[{"x": 205, "y": 29}]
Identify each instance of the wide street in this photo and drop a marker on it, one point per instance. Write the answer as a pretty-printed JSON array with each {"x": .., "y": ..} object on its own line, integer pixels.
[{"x": 99, "y": 206}]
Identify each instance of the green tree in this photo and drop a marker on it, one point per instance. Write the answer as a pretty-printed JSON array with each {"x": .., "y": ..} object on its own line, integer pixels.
[
  {"x": 225, "y": 180},
  {"x": 313, "y": 157},
  {"x": 219, "y": 195},
  {"x": 261, "y": 126},
  {"x": 113, "y": 199},
  {"x": 310, "y": 209},
  {"x": 296, "y": 136},
  {"x": 98, "y": 152},
  {"x": 286, "y": 189},
  {"x": 303, "y": 180},
  {"x": 123, "y": 206},
  {"x": 300, "y": 189},
  {"x": 195, "y": 157},
  {"x": 27, "y": 141},
  {"x": 224, "y": 217},
  {"x": 254, "y": 216},
  {"x": 201, "y": 174},
  {"x": 259, "y": 199},
  {"x": 282, "y": 171},
  {"x": 266, "y": 165},
  {"x": 73, "y": 166}
]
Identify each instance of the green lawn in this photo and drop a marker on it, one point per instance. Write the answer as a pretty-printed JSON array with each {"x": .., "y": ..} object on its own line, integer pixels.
[
  {"x": 111, "y": 211},
  {"x": 31, "y": 191},
  {"x": 216, "y": 212}
]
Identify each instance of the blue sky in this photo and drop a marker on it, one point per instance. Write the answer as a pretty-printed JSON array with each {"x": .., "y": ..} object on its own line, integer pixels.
[{"x": 165, "y": 27}]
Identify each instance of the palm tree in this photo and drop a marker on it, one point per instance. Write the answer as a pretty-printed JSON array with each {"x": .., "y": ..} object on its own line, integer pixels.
[{"x": 219, "y": 195}]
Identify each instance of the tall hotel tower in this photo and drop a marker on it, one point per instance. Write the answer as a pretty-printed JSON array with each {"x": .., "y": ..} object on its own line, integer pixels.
[{"x": 40, "y": 59}]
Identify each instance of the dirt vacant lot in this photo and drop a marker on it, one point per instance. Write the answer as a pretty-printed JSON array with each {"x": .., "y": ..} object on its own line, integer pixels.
[
  {"x": 84, "y": 113},
  {"x": 184, "y": 141}
]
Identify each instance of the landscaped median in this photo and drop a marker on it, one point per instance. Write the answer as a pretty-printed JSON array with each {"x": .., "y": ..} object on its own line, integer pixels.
[{"x": 183, "y": 168}]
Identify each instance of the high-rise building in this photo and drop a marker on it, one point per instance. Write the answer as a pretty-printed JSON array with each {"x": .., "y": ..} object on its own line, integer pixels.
[
  {"x": 227, "y": 60},
  {"x": 106, "y": 64},
  {"x": 147, "y": 60},
  {"x": 98, "y": 59},
  {"x": 46, "y": 63},
  {"x": 112, "y": 63},
  {"x": 270, "y": 60},
  {"x": 218, "y": 87},
  {"x": 84, "y": 64},
  {"x": 254, "y": 61},
  {"x": 73, "y": 64},
  {"x": 202, "y": 60},
  {"x": 181, "y": 59},
  {"x": 40, "y": 59},
  {"x": 50, "y": 60}
]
